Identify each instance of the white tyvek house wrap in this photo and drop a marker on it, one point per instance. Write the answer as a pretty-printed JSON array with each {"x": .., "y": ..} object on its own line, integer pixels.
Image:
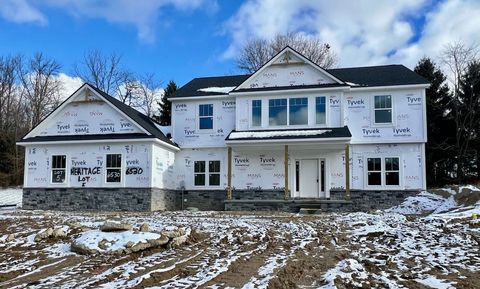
[
  {"x": 407, "y": 117},
  {"x": 86, "y": 164},
  {"x": 411, "y": 165},
  {"x": 163, "y": 164},
  {"x": 186, "y": 132},
  {"x": 88, "y": 118},
  {"x": 184, "y": 166},
  {"x": 280, "y": 74}
]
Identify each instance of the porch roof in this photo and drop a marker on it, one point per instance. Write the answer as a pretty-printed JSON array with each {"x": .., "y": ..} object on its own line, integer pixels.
[{"x": 308, "y": 134}]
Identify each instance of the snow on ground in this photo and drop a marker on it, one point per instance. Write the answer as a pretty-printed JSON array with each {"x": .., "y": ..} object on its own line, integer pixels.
[
  {"x": 10, "y": 197},
  {"x": 437, "y": 246}
]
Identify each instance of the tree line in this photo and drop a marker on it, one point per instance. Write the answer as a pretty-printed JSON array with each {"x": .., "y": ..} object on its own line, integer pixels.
[{"x": 31, "y": 87}]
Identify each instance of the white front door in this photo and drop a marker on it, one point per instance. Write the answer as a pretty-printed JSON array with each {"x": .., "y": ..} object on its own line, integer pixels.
[{"x": 308, "y": 181}]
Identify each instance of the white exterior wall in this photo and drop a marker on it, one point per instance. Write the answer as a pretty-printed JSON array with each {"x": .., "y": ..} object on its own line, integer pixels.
[
  {"x": 333, "y": 110},
  {"x": 163, "y": 168},
  {"x": 184, "y": 167},
  {"x": 185, "y": 123},
  {"x": 93, "y": 156},
  {"x": 408, "y": 118}
]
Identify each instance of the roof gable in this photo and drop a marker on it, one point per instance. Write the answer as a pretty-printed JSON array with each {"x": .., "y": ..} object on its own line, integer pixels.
[
  {"x": 288, "y": 69},
  {"x": 91, "y": 112}
]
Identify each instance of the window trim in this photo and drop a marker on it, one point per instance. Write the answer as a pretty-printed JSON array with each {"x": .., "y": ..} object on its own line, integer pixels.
[
  {"x": 200, "y": 117},
  {"x": 383, "y": 171},
  {"x": 204, "y": 173},
  {"x": 207, "y": 174},
  {"x": 67, "y": 175},
  {"x": 261, "y": 112},
  {"x": 288, "y": 110},
  {"x": 122, "y": 170},
  {"x": 327, "y": 101},
  {"x": 382, "y": 124}
]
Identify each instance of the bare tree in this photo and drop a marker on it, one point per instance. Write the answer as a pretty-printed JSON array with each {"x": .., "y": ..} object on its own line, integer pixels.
[
  {"x": 257, "y": 52},
  {"x": 148, "y": 91},
  {"x": 106, "y": 72},
  {"x": 458, "y": 58},
  {"x": 9, "y": 98},
  {"x": 40, "y": 86}
]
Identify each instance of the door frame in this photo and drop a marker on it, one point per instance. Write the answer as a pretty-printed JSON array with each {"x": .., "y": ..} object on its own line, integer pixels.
[{"x": 297, "y": 176}]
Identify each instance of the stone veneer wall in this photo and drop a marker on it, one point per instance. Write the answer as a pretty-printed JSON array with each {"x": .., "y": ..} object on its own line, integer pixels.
[
  {"x": 98, "y": 199},
  {"x": 366, "y": 200}
]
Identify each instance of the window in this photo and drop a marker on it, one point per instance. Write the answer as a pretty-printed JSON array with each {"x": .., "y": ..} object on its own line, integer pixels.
[
  {"x": 277, "y": 111},
  {"x": 320, "y": 110},
  {"x": 256, "y": 113},
  {"x": 199, "y": 173},
  {"x": 383, "y": 109},
  {"x": 59, "y": 169},
  {"x": 298, "y": 111},
  {"x": 392, "y": 172},
  {"x": 374, "y": 171},
  {"x": 213, "y": 173},
  {"x": 383, "y": 173},
  {"x": 205, "y": 113},
  {"x": 114, "y": 168}
]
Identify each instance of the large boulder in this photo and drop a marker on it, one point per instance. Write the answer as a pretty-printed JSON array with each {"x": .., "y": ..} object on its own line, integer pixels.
[
  {"x": 115, "y": 227},
  {"x": 45, "y": 234}
]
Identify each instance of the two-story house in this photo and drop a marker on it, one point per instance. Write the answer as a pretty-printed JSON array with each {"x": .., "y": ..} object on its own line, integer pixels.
[
  {"x": 286, "y": 130},
  {"x": 289, "y": 135}
]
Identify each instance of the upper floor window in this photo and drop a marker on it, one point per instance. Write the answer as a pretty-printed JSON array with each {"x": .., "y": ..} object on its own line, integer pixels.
[
  {"x": 205, "y": 114},
  {"x": 383, "y": 109},
  {"x": 114, "y": 168},
  {"x": 59, "y": 169},
  {"x": 277, "y": 111},
  {"x": 320, "y": 110},
  {"x": 257, "y": 112},
  {"x": 298, "y": 111}
]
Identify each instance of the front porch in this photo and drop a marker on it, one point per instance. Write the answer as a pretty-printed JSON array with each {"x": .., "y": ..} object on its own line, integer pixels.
[{"x": 304, "y": 164}]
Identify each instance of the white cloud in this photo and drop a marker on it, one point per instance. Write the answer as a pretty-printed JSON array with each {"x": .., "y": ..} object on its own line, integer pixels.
[
  {"x": 21, "y": 11},
  {"x": 144, "y": 15},
  {"x": 361, "y": 32},
  {"x": 69, "y": 84}
]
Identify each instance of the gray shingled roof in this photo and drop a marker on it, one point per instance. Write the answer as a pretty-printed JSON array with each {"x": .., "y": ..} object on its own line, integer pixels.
[{"x": 370, "y": 76}]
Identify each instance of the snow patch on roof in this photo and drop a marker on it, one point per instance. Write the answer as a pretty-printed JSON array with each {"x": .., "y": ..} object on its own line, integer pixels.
[
  {"x": 276, "y": 133},
  {"x": 226, "y": 89},
  {"x": 352, "y": 83}
]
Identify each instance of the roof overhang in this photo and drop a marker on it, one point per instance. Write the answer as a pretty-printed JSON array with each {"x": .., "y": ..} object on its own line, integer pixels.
[
  {"x": 390, "y": 87},
  {"x": 216, "y": 96}
]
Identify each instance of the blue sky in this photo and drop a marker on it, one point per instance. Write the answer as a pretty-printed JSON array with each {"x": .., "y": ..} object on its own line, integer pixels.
[{"x": 181, "y": 39}]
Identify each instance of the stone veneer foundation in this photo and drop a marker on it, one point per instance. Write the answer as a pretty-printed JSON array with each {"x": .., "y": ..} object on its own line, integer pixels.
[{"x": 153, "y": 199}]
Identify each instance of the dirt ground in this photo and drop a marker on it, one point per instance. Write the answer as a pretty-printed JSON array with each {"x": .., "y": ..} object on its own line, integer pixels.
[{"x": 235, "y": 250}]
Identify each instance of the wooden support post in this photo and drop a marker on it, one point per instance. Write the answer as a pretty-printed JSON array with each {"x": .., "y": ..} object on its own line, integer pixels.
[
  {"x": 229, "y": 174},
  {"x": 347, "y": 171},
  {"x": 287, "y": 195}
]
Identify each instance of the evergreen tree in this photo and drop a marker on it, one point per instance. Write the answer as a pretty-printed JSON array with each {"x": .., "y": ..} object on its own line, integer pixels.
[
  {"x": 440, "y": 128},
  {"x": 165, "y": 117}
]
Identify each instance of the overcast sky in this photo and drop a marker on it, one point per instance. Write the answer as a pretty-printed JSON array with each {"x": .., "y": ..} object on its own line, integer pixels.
[{"x": 181, "y": 39}]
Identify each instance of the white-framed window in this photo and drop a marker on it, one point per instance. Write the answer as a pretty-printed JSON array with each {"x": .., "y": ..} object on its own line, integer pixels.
[
  {"x": 113, "y": 168},
  {"x": 201, "y": 173},
  {"x": 59, "y": 169},
  {"x": 392, "y": 171},
  {"x": 374, "y": 171},
  {"x": 298, "y": 111},
  {"x": 205, "y": 116},
  {"x": 320, "y": 110},
  {"x": 383, "y": 171},
  {"x": 383, "y": 109},
  {"x": 257, "y": 112},
  {"x": 277, "y": 111}
]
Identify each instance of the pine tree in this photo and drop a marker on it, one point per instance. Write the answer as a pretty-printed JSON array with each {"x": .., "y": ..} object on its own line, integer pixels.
[
  {"x": 440, "y": 128},
  {"x": 165, "y": 117}
]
